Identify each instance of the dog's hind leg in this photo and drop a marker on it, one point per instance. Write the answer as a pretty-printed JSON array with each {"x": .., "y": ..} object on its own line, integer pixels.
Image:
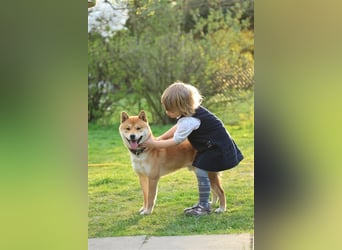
[
  {"x": 214, "y": 197},
  {"x": 144, "y": 187},
  {"x": 218, "y": 191}
]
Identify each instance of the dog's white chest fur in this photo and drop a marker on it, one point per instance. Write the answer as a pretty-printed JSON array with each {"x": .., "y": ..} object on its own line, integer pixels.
[{"x": 139, "y": 164}]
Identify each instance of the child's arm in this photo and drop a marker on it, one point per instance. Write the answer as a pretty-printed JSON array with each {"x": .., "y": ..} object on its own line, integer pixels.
[
  {"x": 151, "y": 143},
  {"x": 168, "y": 134},
  {"x": 182, "y": 129},
  {"x": 163, "y": 141}
]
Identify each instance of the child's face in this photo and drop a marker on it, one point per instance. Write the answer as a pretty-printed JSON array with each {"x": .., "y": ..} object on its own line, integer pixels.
[{"x": 172, "y": 114}]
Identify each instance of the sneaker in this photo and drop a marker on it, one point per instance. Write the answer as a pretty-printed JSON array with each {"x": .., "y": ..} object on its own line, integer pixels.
[
  {"x": 190, "y": 208},
  {"x": 197, "y": 210}
]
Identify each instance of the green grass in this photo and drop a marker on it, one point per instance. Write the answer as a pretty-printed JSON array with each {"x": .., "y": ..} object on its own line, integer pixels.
[{"x": 115, "y": 196}]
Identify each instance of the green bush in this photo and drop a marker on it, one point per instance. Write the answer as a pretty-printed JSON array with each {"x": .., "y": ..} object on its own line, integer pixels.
[{"x": 137, "y": 64}]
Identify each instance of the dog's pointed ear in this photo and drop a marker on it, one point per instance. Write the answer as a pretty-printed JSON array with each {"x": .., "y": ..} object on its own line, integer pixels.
[
  {"x": 142, "y": 116},
  {"x": 124, "y": 116}
]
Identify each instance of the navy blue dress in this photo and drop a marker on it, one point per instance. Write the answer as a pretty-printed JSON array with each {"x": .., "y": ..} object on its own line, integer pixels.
[{"x": 216, "y": 150}]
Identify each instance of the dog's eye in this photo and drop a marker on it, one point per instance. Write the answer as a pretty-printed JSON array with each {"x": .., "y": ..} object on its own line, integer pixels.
[
  {"x": 128, "y": 129},
  {"x": 138, "y": 128}
]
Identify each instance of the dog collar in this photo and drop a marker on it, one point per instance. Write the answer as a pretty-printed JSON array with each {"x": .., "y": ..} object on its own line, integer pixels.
[{"x": 137, "y": 151}]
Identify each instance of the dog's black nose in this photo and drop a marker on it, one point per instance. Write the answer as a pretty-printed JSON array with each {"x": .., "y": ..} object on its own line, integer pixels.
[{"x": 132, "y": 137}]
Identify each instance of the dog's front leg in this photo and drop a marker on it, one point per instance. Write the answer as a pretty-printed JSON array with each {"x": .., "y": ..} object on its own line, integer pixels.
[
  {"x": 152, "y": 195},
  {"x": 144, "y": 187}
]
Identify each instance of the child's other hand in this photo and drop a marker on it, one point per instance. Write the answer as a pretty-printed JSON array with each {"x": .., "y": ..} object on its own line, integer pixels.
[{"x": 149, "y": 143}]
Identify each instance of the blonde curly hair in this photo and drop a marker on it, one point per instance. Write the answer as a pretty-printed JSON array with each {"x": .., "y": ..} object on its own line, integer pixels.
[{"x": 181, "y": 97}]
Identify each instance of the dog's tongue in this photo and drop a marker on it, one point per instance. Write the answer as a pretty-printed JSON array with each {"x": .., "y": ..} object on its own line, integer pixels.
[{"x": 134, "y": 144}]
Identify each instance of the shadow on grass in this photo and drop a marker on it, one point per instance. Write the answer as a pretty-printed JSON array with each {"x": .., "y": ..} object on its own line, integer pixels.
[
  {"x": 212, "y": 224},
  {"x": 114, "y": 226},
  {"x": 177, "y": 224}
]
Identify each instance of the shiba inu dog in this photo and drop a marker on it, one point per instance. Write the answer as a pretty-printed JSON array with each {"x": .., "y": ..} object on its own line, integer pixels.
[{"x": 152, "y": 163}]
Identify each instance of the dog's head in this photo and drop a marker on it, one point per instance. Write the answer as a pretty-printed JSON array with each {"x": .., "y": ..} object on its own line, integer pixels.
[{"x": 134, "y": 130}]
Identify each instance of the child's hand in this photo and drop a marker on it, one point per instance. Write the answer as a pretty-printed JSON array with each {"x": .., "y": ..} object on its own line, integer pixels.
[{"x": 149, "y": 143}]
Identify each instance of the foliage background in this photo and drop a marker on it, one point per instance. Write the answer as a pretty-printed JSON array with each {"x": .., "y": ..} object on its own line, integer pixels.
[{"x": 207, "y": 44}]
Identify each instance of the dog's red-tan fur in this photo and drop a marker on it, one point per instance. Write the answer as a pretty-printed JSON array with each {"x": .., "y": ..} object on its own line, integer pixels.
[{"x": 152, "y": 163}]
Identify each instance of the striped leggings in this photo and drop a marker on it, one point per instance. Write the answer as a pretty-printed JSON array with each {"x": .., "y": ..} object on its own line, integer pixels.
[{"x": 203, "y": 187}]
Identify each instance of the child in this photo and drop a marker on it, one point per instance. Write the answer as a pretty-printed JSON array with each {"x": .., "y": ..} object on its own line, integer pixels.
[{"x": 216, "y": 150}]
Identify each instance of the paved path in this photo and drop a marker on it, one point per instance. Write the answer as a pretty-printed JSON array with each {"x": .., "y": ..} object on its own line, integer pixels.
[{"x": 195, "y": 242}]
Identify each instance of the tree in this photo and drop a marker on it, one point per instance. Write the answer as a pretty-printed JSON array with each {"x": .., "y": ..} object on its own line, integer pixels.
[
  {"x": 107, "y": 17},
  {"x": 213, "y": 62},
  {"x": 155, "y": 50}
]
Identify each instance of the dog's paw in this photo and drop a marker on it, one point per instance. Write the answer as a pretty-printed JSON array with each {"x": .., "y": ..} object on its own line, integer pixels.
[
  {"x": 145, "y": 212},
  {"x": 219, "y": 210}
]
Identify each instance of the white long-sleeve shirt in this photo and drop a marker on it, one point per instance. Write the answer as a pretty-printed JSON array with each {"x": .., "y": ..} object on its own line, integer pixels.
[{"x": 185, "y": 126}]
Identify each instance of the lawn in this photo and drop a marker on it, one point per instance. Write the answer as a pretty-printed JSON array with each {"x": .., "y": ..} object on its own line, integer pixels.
[{"x": 115, "y": 196}]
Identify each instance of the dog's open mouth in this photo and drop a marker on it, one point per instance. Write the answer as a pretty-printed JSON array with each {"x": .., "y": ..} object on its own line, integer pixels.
[{"x": 134, "y": 144}]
